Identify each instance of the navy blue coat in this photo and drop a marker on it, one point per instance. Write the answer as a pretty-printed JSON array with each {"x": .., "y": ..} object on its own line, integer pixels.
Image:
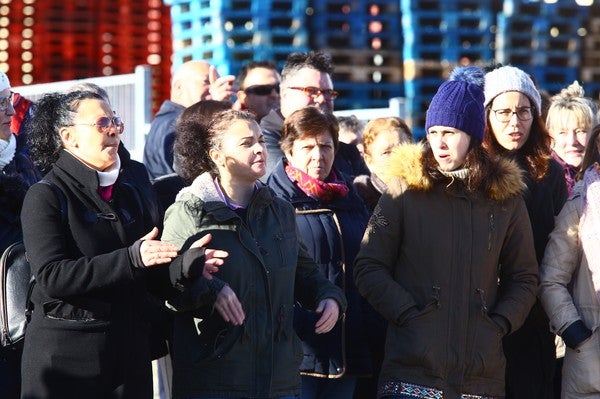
[
  {"x": 15, "y": 179},
  {"x": 158, "y": 150},
  {"x": 332, "y": 232}
]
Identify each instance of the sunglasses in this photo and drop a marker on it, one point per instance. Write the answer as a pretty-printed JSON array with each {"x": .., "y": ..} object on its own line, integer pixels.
[
  {"x": 6, "y": 102},
  {"x": 104, "y": 123},
  {"x": 262, "y": 90}
]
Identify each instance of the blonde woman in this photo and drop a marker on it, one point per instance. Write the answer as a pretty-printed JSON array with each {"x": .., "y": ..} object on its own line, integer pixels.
[
  {"x": 569, "y": 279},
  {"x": 570, "y": 120}
]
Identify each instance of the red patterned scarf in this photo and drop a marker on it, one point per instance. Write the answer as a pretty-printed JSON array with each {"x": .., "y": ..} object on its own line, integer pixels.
[{"x": 315, "y": 188}]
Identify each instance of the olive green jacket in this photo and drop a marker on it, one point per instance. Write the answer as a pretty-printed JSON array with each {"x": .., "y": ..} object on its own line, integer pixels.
[{"x": 268, "y": 268}]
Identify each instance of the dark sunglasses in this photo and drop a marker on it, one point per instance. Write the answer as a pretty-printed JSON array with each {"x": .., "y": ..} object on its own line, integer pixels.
[
  {"x": 262, "y": 90},
  {"x": 104, "y": 123}
]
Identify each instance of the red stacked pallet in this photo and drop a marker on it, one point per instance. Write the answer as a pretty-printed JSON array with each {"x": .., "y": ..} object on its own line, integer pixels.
[
  {"x": 65, "y": 45},
  {"x": 56, "y": 40},
  {"x": 145, "y": 38}
]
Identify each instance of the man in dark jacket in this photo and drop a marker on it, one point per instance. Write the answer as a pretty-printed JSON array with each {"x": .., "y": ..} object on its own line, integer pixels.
[
  {"x": 192, "y": 81},
  {"x": 306, "y": 81}
]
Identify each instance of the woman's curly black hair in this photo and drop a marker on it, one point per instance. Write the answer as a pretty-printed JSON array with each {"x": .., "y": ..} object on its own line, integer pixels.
[
  {"x": 51, "y": 113},
  {"x": 190, "y": 147}
]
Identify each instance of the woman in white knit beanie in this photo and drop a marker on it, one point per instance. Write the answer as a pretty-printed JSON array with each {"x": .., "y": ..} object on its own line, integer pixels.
[{"x": 515, "y": 129}]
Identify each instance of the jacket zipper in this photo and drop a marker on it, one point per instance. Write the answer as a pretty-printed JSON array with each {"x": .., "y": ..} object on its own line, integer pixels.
[{"x": 492, "y": 228}]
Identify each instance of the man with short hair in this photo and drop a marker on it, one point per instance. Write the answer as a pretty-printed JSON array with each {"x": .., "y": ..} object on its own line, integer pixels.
[
  {"x": 192, "y": 81},
  {"x": 259, "y": 88},
  {"x": 306, "y": 81}
]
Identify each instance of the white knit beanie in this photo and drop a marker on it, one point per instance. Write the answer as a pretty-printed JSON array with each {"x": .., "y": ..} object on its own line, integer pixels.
[
  {"x": 509, "y": 78},
  {"x": 4, "y": 82}
]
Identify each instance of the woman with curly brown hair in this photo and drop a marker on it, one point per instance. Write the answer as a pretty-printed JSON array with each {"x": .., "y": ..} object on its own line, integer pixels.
[
  {"x": 233, "y": 331},
  {"x": 515, "y": 130}
]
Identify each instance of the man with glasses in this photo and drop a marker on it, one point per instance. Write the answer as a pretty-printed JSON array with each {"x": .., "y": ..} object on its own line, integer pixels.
[
  {"x": 192, "y": 81},
  {"x": 259, "y": 88},
  {"x": 306, "y": 81}
]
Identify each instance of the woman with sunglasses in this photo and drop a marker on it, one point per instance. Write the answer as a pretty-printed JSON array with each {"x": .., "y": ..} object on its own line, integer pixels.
[
  {"x": 92, "y": 246},
  {"x": 515, "y": 130}
]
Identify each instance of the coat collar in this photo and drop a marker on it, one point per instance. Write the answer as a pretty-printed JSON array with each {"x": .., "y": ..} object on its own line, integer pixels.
[
  {"x": 203, "y": 187},
  {"x": 86, "y": 176},
  {"x": 406, "y": 171},
  {"x": 273, "y": 121}
]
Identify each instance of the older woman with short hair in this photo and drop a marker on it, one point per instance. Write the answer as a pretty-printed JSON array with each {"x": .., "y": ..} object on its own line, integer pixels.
[{"x": 331, "y": 218}]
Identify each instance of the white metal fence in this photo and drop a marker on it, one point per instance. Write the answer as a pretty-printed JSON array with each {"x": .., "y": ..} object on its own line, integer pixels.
[{"x": 130, "y": 96}]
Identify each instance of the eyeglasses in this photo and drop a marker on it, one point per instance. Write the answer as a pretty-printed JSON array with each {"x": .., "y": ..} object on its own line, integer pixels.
[
  {"x": 315, "y": 92},
  {"x": 6, "y": 102},
  {"x": 104, "y": 123},
  {"x": 262, "y": 90},
  {"x": 505, "y": 115}
]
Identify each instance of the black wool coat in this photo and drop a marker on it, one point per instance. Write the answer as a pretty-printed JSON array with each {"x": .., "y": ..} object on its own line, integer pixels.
[{"x": 88, "y": 336}]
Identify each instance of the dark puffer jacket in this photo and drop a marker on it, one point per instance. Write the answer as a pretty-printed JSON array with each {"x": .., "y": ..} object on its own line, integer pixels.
[
  {"x": 332, "y": 233},
  {"x": 452, "y": 272}
]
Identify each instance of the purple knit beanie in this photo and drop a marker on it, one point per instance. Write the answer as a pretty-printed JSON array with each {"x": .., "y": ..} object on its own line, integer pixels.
[{"x": 458, "y": 102}]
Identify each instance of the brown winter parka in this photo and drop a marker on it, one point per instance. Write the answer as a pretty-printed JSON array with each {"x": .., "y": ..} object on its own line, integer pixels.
[{"x": 452, "y": 271}]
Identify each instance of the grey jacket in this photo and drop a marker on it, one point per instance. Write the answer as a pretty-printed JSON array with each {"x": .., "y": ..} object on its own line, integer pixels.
[{"x": 571, "y": 301}]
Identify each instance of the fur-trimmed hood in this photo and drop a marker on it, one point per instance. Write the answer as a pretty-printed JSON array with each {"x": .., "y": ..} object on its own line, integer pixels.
[{"x": 406, "y": 171}]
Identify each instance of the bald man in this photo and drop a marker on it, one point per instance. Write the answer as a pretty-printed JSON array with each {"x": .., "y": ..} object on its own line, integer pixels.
[{"x": 191, "y": 82}]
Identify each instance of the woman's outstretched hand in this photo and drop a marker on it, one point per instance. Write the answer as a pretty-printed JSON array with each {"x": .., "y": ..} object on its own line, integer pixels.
[
  {"x": 156, "y": 252},
  {"x": 213, "y": 258}
]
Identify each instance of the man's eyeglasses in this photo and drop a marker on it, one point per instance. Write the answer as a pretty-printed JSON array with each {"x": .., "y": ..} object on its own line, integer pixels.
[
  {"x": 315, "y": 92},
  {"x": 505, "y": 115},
  {"x": 6, "y": 102},
  {"x": 262, "y": 90},
  {"x": 104, "y": 123}
]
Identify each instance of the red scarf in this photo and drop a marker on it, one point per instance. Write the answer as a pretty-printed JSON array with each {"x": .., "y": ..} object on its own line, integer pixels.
[{"x": 316, "y": 188}]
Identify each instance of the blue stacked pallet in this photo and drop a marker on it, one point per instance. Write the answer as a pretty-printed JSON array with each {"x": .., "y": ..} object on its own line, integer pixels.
[
  {"x": 363, "y": 39},
  {"x": 338, "y": 24},
  {"x": 443, "y": 32},
  {"x": 543, "y": 39},
  {"x": 419, "y": 93},
  {"x": 446, "y": 6},
  {"x": 514, "y": 39},
  {"x": 354, "y": 95},
  {"x": 592, "y": 89},
  {"x": 447, "y": 35},
  {"x": 229, "y": 33},
  {"x": 552, "y": 78}
]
